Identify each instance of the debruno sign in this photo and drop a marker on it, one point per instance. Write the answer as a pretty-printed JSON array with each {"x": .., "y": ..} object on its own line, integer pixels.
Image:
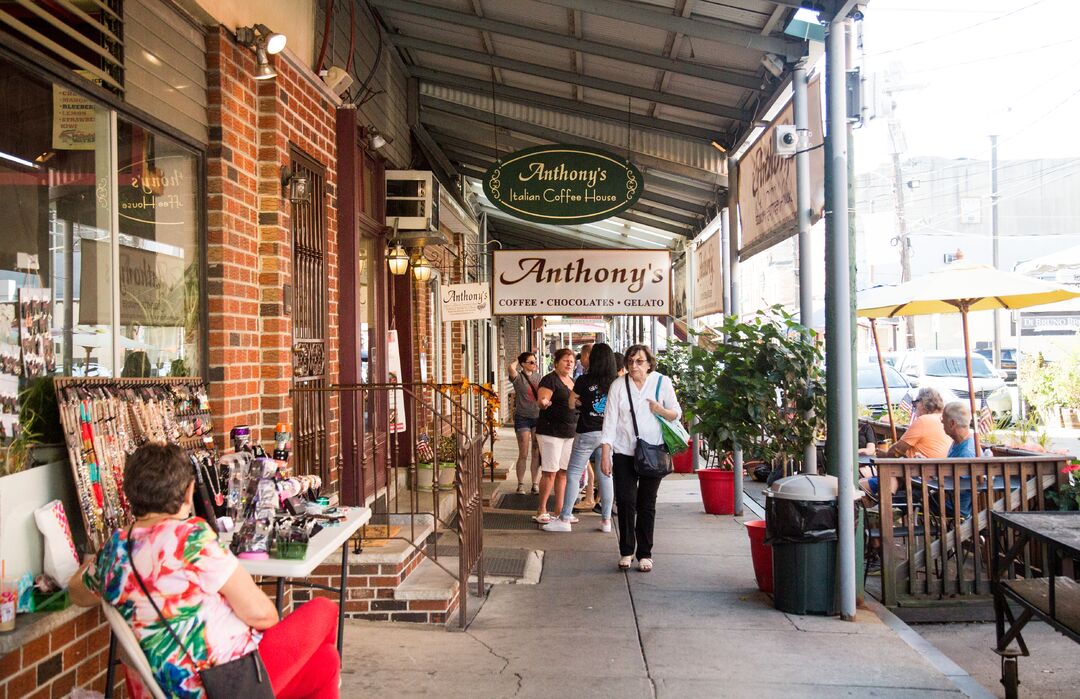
[
  {"x": 581, "y": 282},
  {"x": 563, "y": 184}
]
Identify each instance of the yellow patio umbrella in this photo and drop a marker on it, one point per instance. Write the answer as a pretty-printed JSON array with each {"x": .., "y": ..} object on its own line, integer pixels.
[{"x": 961, "y": 286}]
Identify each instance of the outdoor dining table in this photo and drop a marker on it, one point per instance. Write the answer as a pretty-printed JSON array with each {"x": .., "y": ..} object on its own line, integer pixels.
[{"x": 1054, "y": 597}]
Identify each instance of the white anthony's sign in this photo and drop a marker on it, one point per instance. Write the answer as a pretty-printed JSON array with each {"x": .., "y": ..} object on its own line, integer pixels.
[
  {"x": 767, "y": 211},
  {"x": 582, "y": 282},
  {"x": 708, "y": 293},
  {"x": 465, "y": 301},
  {"x": 393, "y": 369}
]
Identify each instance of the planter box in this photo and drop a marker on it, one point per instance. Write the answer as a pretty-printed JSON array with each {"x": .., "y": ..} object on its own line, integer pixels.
[{"x": 423, "y": 476}]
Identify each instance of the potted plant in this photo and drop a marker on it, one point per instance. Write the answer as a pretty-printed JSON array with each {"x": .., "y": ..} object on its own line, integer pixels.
[
  {"x": 1041, "y": 387},
  {"x": 755, "y": 387},
  {"x": 674, "y": 362},
  {"x": 41, "y": 436}
]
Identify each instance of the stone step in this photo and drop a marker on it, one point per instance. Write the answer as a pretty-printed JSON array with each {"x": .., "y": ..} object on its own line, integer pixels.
[
  {"x": 397, "y": 551},
  {"x": 429, "y": 582}
]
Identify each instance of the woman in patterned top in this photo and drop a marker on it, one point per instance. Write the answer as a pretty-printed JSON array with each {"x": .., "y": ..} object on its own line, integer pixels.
[{"x": 211, "y": 602}]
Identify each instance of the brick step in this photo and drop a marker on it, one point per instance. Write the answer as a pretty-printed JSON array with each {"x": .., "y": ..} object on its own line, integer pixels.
[{"x": 397, "y": 551}]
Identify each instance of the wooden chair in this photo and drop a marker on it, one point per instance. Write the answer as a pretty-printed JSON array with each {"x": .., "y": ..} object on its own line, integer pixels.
[{"x": 131, "y": 653}]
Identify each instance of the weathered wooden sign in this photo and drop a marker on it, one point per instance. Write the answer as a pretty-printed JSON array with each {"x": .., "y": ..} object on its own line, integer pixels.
[{"x": 563, "y": 184}]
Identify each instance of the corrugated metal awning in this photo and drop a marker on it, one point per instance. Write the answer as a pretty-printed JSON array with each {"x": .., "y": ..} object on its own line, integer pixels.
[{"x": 672, "y": 83}]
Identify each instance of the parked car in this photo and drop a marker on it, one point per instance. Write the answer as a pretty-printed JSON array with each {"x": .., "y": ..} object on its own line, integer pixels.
[
  {"x": 871, "y": 394},
  {"x": 1008, "y": 361},
  {"x": 946, "y": 371}
]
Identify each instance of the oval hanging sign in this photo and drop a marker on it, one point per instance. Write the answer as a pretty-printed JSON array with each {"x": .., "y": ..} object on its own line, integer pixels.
[{"x": 563, "y": 184}]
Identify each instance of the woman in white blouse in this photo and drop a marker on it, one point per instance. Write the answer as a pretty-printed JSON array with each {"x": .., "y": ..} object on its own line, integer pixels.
[{"x": 635, "y": 496}]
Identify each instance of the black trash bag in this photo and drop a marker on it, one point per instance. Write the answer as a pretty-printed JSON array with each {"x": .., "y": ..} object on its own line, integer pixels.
[{"x": 799, "y": 521}]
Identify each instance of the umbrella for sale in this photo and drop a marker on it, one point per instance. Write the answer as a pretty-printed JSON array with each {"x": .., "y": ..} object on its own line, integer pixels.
[{"x": 964, "y": 287}]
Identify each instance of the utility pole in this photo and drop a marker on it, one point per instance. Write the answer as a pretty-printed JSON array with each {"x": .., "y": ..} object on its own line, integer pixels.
[
  {"x": 896, "y": 138},
  {"x": 902, "y": 238},
  {"x": 994, "y": 195}
]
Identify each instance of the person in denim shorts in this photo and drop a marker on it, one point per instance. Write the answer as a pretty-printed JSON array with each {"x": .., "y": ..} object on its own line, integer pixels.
[{"x": 525, "y": 378}]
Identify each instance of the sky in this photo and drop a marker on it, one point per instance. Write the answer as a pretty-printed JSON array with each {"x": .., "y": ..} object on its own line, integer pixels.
[{"x": 970, "y": 68}]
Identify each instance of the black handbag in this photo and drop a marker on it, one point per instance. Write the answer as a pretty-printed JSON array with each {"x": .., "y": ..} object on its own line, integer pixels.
[
  {"x": 650, "y": 460},
  {"x": 243, "y": 677}
]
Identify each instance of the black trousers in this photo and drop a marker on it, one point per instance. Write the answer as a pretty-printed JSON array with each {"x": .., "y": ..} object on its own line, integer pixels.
[{"x": 635, "y": 498}]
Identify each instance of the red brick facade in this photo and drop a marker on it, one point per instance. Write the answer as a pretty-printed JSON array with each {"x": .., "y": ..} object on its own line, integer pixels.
[
  {"x": 250, "y": 253},
  {"x": 51, "y": 665}
]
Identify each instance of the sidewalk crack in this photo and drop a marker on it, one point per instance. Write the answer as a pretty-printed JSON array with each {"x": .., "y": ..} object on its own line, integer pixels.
[
  {"x": 641, "y": 642},
  {"x": 505, "y": 660}
]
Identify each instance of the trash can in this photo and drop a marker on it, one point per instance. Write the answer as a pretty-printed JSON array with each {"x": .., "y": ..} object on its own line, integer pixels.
[{"x": 801, "y": 525}]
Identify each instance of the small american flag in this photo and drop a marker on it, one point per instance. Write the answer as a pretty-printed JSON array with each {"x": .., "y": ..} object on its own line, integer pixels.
[
  {"x": 986, "y": 420},
  {"x": 906, "y": 405},
  {"x": 423, "y": 449}
]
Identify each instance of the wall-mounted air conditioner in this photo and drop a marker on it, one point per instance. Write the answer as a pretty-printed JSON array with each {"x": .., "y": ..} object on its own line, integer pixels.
[{"x": 412, "y": 200}]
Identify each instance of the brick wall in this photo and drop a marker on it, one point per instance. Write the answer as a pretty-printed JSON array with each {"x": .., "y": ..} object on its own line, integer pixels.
[
  {"x": 250, "y": 254},
  {"x": 51, "y": 665}
]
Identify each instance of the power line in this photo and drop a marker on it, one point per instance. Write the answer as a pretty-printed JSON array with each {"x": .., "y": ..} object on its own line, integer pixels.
[{"x": 953, "y": 33}]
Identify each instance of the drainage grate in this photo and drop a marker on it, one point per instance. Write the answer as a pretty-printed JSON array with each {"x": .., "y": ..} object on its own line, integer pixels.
[
  {"x": 508, "y": 563},
  {"x": 507, "y": 520}
]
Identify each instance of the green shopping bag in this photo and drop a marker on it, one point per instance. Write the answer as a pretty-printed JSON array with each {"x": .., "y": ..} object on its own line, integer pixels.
[{"x": 676, "y": 438}]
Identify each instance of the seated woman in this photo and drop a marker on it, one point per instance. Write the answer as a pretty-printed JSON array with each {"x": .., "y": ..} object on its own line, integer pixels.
[
  {"x": 924, "y": 438},
  {"x": 212, "y": 603}
]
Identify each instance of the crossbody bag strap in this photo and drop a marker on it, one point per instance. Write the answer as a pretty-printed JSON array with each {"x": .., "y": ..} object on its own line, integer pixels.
[
  {"x": 630, "y": 398},
  {"x": 142, "y": 586}
]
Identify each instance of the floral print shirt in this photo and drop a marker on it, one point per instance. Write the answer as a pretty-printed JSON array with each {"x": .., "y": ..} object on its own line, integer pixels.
[{"x": 184, "y": 567}]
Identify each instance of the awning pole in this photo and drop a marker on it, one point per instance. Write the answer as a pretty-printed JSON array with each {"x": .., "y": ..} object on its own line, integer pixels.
[
  {"x": 802, "y": 205},
  {"x": 839, "y": 312},
  {"x": 884, "y": 380},
  {"x": 733, "y": 262}
]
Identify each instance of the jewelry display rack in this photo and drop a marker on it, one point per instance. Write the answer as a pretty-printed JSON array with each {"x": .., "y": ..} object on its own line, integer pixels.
[{"x": 105, "y": 419}]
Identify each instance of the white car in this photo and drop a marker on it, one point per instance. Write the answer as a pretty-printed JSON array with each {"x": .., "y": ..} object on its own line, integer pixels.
[
  {"x": 946, "y": 371},
  {"x": 871, "y": 394}
]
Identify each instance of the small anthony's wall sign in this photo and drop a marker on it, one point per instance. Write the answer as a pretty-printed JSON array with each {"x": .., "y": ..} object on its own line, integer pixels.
[{"x": 563, "y": 184}]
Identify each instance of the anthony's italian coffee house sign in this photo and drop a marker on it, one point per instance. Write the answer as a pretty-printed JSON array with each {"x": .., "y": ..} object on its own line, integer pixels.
[
  {"x": 581, "y": 282},
  {"x": 563, "y": 184}
]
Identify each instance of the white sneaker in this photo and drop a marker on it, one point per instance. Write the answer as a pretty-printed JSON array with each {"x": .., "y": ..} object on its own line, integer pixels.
[
  {"x": 605, "y": 526},
  {"x": 521, "y": 489},
  {"x": 557, "y": 525},
  {"x": 535, "y": 489}
]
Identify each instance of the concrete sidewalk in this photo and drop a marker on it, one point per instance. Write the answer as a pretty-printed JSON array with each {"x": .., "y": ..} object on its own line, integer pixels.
[{"x": 694, "y": 627}]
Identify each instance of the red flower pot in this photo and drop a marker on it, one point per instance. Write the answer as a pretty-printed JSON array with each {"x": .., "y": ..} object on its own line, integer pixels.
[
  {"x": 761, "y": 553},
  {"x": 717, "y": 491},
  {"x": 684, "y": 462}
]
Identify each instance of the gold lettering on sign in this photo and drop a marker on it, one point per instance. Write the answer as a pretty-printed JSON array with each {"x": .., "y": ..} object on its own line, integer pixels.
[
  {"x": 561, "y": 173},
  {"x": 535, "y": 269}
]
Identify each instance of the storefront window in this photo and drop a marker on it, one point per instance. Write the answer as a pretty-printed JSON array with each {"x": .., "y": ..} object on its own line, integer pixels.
[
  {"x": 365, "y": 307},
  {"x": 158, "y": 254},
  {"x": 99, "y": 253}
]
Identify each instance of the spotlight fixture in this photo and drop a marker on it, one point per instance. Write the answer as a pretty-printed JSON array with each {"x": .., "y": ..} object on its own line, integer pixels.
[
  {"x": 421, "y": 267},
  {"x": 398, "y": 260},
  {"x": 377, "y": 139},
  {"x": 774, "y": 64},
  {"x": 264, "y": 43}
]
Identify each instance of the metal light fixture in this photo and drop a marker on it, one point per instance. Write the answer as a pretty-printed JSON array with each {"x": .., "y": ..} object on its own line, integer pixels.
[
  {"x": 377, "y": 139},
  {"x": 421, "y": 267},
  {"x": 265, "y": 43},
  {"x": 398, "y": 260},
  {"x": 297, "y": 185}
]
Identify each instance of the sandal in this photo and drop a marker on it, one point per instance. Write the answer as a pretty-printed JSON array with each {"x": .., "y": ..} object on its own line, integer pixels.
[
  {"x": 644, "y": 565},
  {"x": 624, "y": 562},
  {"x": 542, "y": 519}
]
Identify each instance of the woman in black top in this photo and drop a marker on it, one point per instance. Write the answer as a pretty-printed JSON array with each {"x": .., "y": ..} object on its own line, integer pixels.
[
  {"x": 555, "y": 431},
  {"x": 590, "y": 394}
]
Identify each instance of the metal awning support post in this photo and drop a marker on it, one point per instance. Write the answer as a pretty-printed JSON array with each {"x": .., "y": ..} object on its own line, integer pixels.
[
  {"x": 691, "y": 283},
  {"x": 802, "y": 205},
  {"x": 839, "y": 313},
  {"x": 733, "y": 262}
]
